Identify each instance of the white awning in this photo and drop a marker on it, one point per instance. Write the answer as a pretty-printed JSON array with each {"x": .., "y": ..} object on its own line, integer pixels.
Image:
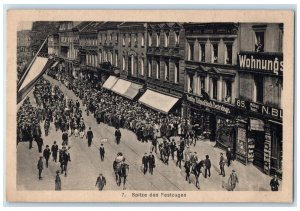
[
  {"x": 158, "y": 101},
  {"x": 121, "y": 86},
  {"x": 35, "y": 70},
  {"x": 110, "y": 82}
]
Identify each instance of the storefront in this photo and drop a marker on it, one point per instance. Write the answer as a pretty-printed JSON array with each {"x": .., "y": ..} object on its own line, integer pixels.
[
  {"x": 215, "y": 120},
  {"x": 262, "y": 141}
]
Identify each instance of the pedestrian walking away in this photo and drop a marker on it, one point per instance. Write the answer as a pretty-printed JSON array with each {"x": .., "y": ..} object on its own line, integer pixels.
[
  {"x": 100, "y": 182},
  {"x": 222, "y": 164},
  {"x": 207, "y": 166},
  {"x": 57, "y": 181},
  {"x": 40, "y": 167},
  {"x": 151, "y": 163},
  {"x": 118, "y": 135},
  {"x": 228, "y": 156},
  {"x": 145, "y": 161},
  {"x": 54, "y": 150},
  {"x": 102, "y": 152},
  {"x": 233, "y": 180},
  {"x": 90, "y": 136},
  {"x": 47, "y": 154},
  {"x": 40, "y": 143},
  {"x": 274, "y": 183}
]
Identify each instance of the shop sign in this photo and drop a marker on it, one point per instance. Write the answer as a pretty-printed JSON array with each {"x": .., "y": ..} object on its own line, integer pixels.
[
  {"x": 259, "y": 108},
  {"x": 213, "y": 105},
  {"x": 262, "y": 62},
  {"x": 257, "y": 125}
]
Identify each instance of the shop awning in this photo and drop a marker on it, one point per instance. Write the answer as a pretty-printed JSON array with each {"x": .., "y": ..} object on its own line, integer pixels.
[
  {"x": 158, "y": 101},
  {"x": 132, "y": 91},
  {"x": 110, "y": 82},
  {"x": 121, "y": 86}
]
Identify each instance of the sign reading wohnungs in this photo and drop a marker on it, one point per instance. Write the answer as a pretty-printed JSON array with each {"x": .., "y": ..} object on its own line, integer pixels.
[{"x": 271, "y": 63}]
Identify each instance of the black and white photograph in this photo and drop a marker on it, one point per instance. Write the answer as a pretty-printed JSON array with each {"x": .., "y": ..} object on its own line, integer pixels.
[{"x": 151, "y": 107}]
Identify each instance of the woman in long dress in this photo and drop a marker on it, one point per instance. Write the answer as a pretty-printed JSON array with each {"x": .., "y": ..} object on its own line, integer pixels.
[{"x": 57, "y": 181}]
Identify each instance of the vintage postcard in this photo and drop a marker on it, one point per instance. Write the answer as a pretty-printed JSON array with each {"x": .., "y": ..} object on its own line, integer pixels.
[{"x": 150, "y": 106}]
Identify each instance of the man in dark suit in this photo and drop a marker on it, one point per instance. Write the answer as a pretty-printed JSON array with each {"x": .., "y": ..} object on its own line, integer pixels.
[
  {"x": 46, "y": 154},
  {"x": 90, "y": 136},
  {"x": 102, "y": 152},
  {"x": 40, "y": 143},
  {"x": 173, "y": 148},
  {"x": 54, "y": 150},
  {"x": 101, "y": 182},
  {"x": 145, "y": 162},
  {"x": 151, "y": 160},
  {"x": 118, "y": 135},
  {"x": 179, "y": 157},
  {"x": 65, "y": 138},
  {"x": 40, "y": 167},
  {"x": 207, "y": 166},
  {"x": 222, "y": 164}
]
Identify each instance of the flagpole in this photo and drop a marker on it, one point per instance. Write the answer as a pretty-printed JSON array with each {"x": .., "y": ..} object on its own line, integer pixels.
[{"x": 28, "y": 68}]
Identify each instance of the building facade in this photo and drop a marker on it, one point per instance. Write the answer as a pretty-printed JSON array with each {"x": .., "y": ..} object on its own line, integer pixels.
[
  {"x": 165, "y": 59},
  {"x": 133, "y": 51},
  {"x": 211, "y": 79},
  {"x": 53, "y": 44},
  {"x": 88, "y": 42},
  {"x": 26, "y": 42},
  {"x": 260, "y": 66},
  {"x": 109, "y": 49}
]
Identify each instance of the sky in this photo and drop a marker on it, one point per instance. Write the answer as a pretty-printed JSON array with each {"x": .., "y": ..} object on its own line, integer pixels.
[{"x": 25, "y": 25}]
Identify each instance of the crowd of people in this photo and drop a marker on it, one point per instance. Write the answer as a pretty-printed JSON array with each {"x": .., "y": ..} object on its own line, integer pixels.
[{"x": 53, "y": 107}]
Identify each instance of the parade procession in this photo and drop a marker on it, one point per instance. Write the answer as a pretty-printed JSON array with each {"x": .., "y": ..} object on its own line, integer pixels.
[{"x": 150, "y": 106}]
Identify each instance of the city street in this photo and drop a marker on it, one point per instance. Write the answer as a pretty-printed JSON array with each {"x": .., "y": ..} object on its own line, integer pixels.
[{"x": 86, "y": 165}]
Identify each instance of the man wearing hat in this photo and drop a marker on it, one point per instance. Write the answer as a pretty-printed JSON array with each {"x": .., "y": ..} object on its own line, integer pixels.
[
  {"x": 54, "y": 150},
  {"x": 151, "y": 159},
  {"x": 222, "y": 164},
  {"x": 46, "y": 154},
  {"x": 102, "y": 152},
  {"x": 90, "y": 136},
  {"x": 40, "y": 167},
  {"x": 100, "y": 182},
  {"x": 145, "y": 161}
]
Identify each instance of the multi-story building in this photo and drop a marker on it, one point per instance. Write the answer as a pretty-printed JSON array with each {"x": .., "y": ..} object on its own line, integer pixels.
[
  {"x": 260, "y": 66},
  {"x": 88, "y": 42},
  {"x": 130, "y": 57},
  {"x": 53, "y": 44},
  {"x": 211, "y": 79},
  {"x": 165, "y": 61},
  {"x": 109, "y": 46},
  {"x": 26, "y": 42}
]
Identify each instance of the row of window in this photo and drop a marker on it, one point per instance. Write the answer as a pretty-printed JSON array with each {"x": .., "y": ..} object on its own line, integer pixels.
[
  {"x": 212, "y": 49},
  {"x": 88, "y": 42},
  {"x": 91, "y": 60},
  {"x": 72, "y": 53},
  {"x": 219, "y": 89},
  {"x": 108, "y": 37},
  {"x": 166, "y": 39},
  {"x": 132, "y": 39},
  {"x": 108, "y": 57}
]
